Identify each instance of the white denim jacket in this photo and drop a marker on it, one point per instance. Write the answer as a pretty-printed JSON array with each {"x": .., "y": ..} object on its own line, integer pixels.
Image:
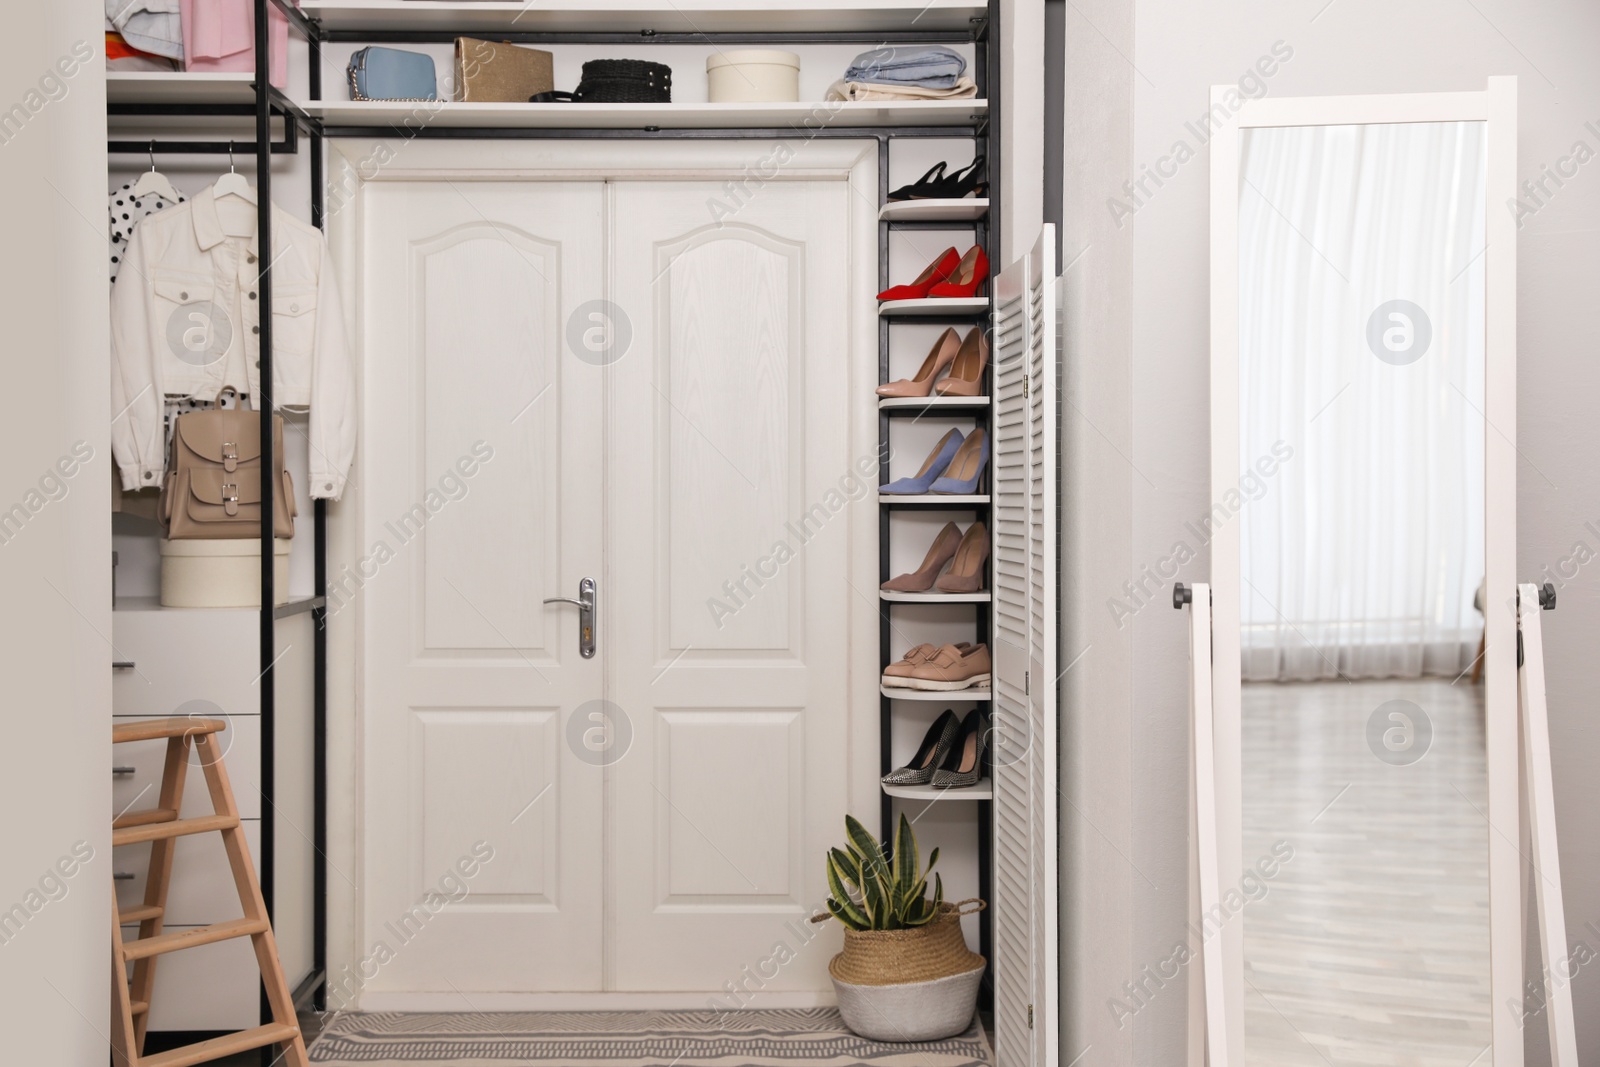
[{"x": 185, "y": 321}]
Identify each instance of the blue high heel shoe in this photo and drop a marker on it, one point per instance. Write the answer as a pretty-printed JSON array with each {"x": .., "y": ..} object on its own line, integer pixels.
[
  {"x": 966, "y": 467},
  {"x": 932, "y": 467}
]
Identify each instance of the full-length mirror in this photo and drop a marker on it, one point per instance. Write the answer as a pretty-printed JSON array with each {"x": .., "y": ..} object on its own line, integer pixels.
[{"x": 1363, "y": 778}]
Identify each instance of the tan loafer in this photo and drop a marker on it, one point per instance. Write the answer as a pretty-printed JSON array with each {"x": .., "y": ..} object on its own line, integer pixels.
[
  {"x": 952, "y": 668},
  {"x": 899, "y": 672}
]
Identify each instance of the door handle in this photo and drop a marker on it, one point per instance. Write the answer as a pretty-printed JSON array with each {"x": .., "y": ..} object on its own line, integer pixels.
[{"x": 586, "y": 602}]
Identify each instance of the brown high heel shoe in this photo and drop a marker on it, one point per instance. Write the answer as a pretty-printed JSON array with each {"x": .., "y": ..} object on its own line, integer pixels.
[
  {"x": 921, "y": 580},
  {"x": 966, "y": 571},
  {"x": 943, "y": 353},
  {"x": 966, "y": 369}
]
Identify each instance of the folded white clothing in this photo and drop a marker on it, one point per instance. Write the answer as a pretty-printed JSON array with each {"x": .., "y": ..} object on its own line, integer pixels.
[{"x": 963, "y": 89}]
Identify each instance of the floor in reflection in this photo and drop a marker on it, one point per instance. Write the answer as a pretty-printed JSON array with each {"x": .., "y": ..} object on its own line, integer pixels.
[{"x": 1371, "y": 945}]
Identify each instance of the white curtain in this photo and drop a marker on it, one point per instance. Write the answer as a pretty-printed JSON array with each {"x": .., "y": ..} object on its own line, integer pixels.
[{"x": 1362, "y": 555}]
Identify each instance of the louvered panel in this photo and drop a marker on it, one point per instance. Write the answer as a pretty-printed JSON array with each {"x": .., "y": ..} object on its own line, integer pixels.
[
  {"x": 1013, "y": 875},
  {"x": 1014, "y": 862},
  {"x": 1008, "y": 475},
  {"x": 1042, "y": 636}
]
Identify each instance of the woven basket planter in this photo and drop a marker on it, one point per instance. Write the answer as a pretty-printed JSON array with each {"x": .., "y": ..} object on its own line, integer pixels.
[{"x": 919, "y": 984}]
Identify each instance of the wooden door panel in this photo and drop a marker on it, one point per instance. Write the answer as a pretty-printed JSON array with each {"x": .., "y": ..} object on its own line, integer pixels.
[{"x": 481, "y": 497}]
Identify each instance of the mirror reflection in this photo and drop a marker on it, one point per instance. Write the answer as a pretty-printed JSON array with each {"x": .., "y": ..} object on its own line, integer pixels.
[{"x": 1361, "y": 354}]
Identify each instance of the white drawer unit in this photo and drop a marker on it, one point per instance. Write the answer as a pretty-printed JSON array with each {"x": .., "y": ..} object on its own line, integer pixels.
[
  {"x": 176, "y": 661},
  {"x": 202, "y": 889},
  {"x": 203, "y": 662},
  {"x": 136, "y": 771}
]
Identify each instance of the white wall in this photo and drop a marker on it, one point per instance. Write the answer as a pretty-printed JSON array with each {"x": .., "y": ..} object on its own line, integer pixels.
[
  {"x": 1097, "y": 880},
  {"x": 54, "y": 569},
  {"x": 1167, "y": 53}
]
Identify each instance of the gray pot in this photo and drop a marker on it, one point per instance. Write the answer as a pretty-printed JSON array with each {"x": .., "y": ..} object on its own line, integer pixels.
[{"x": 914, "y": 1011}]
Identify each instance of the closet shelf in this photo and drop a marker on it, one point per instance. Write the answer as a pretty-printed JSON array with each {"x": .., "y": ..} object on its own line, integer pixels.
[
  {"x": 933, "y": 598},
  {"x": 934, "y": 210},
  {"x": 984, "y": 790},
  {"x": 631, "y": 16},
  {"x": 177, "y": 87},
  {"x": 800, "y": 117},
  {"x": 958, "y": 307},
  {"x": 949, "y": 696},
  {"x": 916, "y": 405},
  {"x": 935, "y": 500}
]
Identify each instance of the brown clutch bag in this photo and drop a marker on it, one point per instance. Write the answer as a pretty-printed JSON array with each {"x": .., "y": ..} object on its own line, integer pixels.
[{"x": 487, "y": 71}]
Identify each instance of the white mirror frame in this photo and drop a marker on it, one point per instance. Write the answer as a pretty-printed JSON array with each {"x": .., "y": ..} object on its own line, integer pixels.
[{"x": 1496, "y": 106}]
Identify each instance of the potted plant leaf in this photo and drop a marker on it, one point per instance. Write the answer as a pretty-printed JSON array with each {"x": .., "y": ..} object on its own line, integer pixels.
[{"x": 906, "y": 973}]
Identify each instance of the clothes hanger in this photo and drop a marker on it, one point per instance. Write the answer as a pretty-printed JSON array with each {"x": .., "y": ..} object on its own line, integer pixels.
[
  {"x": 152, "y": 181},
  {"x": 233, "y": 183}
]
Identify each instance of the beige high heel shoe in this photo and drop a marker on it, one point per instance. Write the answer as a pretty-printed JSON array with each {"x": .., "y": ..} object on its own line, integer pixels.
[
  {"x": 966, "y": 369},
  {"x": 966, "y": 571},
  {"x": 944, "y": 546},
  {"x": 943, "y": 353}
]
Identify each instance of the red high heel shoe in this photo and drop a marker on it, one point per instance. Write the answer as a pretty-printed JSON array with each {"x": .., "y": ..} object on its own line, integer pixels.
[
  {"x": 937, "y": 272},
  {"x": 966, "y": 278}
]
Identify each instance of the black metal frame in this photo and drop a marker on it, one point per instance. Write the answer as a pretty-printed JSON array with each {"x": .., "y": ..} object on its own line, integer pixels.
[{"x": 272, "y": 104}]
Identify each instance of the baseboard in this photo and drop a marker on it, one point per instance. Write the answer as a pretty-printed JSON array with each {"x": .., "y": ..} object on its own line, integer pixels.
[{"x": 718, "y": 1000}]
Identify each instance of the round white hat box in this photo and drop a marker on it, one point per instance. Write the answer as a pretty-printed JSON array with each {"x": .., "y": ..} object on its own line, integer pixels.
[
  {"x": 220, "y": 574},
  {"x": 753, "y": 76}
]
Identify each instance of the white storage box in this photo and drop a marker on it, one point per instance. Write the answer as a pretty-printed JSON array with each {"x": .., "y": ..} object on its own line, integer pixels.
[
  {"x": 753, "y": 76},
  {"x": 220, "y": 574}
]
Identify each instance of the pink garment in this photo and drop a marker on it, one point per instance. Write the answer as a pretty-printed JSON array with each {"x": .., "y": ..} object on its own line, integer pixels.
[{"x": 219, "y": 35}]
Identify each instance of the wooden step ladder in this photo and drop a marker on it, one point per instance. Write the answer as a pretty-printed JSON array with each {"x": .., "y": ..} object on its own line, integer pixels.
[{"x": 162, "y": 826}]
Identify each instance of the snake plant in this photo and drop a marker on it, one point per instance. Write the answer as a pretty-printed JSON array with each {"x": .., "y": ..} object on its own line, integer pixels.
[{"x": 873, "y": 892}]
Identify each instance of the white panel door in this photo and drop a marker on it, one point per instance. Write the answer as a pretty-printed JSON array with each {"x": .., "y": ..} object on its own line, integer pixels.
[
  {"x": 728, "y": 577},
  {"x": 1025, "y": 471},
  {"x": 483, "y": 494}
]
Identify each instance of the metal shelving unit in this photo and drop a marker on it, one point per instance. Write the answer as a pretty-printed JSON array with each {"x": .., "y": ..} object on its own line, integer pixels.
[
  {"x": 985, "y": 223},
  {"x": 625, "y": 22},
  {"x": 215, "y": 103}
]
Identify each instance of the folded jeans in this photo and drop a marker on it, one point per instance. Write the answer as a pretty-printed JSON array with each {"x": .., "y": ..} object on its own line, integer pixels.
[{"x": 933, "y": 68}]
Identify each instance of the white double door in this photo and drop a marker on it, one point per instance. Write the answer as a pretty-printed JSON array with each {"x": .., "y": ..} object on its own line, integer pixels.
[{"x": 590, "y": 379}]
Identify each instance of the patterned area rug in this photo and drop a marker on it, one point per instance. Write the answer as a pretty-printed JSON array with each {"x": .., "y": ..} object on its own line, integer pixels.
[{"x": 749, "y": 1038}]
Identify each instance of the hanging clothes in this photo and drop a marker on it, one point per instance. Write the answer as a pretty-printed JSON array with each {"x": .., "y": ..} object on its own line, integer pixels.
[
  {"x": 190, "y": 326},
  {"x": 220, "y": 36},
  {"x": 126, "y": 212}
]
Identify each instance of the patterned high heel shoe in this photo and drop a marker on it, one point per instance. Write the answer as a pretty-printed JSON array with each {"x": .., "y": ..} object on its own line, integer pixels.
[
  {"x": 963, "y": 766},
  {"x": 931, "y": 753}
]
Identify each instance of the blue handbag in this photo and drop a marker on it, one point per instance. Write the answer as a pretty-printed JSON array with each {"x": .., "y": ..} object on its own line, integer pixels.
[{"x": 392, "y": 74}]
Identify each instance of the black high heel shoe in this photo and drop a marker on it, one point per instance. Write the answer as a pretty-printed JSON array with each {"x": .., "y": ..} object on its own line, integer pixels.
[
  {"x": 930, "y": 754},
  {"x": 919, "y": 189},
  {"x": 972, "y": 180},
  {"x": 964, "y": 765}
]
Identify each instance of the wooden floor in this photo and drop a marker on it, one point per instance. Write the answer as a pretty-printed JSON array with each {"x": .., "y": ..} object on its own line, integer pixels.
[{"x": 1371, "y": 945}]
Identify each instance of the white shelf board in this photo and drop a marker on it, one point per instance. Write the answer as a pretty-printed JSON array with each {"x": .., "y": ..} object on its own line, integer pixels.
[
  {"x": 630, "y": 16},
  {"x": 177, "y": 87},
  {"x": 933, "y": 598},
  {"x": 836, "y": 115},
  {"x": 933, "y": 307},
  {"x": 933, "y": 402},
  {"x": 954, "y": 500},
  {"x": 951, "y": 695},
  {"x": 935, "y": 210},
  {"x": 984, "y": 790}
]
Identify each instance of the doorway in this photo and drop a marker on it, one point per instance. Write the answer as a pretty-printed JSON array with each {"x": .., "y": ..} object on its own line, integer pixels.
[{"x": 606, "y": 379}]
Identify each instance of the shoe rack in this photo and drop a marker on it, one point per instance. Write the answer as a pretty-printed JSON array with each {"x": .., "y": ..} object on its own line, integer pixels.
[{"x": 906, "y": 619}]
